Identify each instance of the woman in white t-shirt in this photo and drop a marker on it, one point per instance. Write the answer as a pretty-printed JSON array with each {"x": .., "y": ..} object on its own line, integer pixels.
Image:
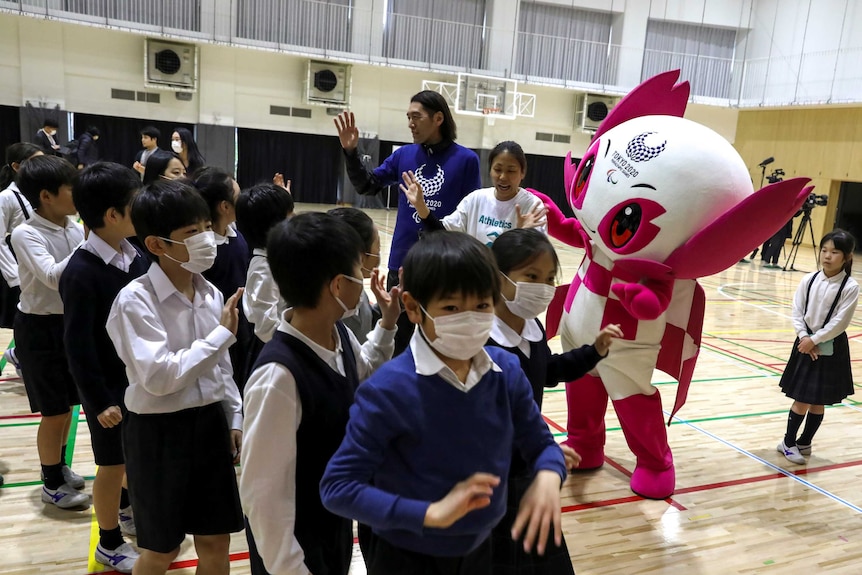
[{"x": 488, "y": 212}]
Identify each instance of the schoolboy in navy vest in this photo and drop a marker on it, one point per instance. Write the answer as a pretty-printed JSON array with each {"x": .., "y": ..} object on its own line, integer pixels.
[
  {"x": 44, "y": 245},
  {"x": 96, "y": 273},
  {"x": 446, "y": 170},
  {"x": 220, "y": 191},
  {"x": 428, "y": 446},
  {"x": 182, "y": 433},
  {"x": 299, "y": 395}
]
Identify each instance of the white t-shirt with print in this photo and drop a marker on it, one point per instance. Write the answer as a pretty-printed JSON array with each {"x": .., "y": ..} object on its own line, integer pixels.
[{"x": 484, "y": 217}]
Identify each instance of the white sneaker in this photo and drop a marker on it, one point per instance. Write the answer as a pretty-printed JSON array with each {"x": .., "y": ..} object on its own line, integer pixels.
[
  {"x": 72, "y": 478},
  {"x": 65, "y": 497},
  {"x": 12, "y": 358},
  {"x": 127, "y": 521},
  {"x": 804, "y": 449},
  {"x": 121, "y": 559},
  {"x": 791, "y": 453}
]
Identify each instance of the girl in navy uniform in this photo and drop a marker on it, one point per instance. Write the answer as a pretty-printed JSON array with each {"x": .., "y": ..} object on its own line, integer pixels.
[
  {"x": 818, "y": 371},
  {"x": 529, "y": 266}
]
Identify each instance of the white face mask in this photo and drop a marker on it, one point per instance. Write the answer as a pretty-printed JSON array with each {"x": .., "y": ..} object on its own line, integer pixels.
[
  {"x": 177, "y": 146},
  {"x": 531, "y": 299},
  {"x": 202, "y": 252},
  {"x": 51, "y": 133},
  {"x": 349, "y": 312},
  {"x": 460, "y": 335}
]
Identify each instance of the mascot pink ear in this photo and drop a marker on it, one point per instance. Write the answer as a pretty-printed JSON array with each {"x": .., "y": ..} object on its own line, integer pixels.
[
  {"x": 658, "y": 96},
  {"x": 739, "y": 230}
]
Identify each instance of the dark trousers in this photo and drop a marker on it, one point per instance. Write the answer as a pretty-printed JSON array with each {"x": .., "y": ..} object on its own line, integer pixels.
[{"x": 383, "y": 558}]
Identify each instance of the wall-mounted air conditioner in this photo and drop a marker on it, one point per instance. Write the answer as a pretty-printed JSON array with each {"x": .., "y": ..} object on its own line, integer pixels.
[
  {"x": 592, "y": 109},
  {"x": 328, "y": 83},
  {"x": 170, "y": 65}
]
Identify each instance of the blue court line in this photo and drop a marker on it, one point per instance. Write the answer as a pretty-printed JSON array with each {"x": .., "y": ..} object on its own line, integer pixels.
[{"x": 772, "y": 466}]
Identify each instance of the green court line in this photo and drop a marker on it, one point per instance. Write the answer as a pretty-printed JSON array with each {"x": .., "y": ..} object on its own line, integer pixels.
[
  {"x": 741, "y": 360},
  {"x": 28, "y": 423},
  {"x": 34, "y": 483},
  {"x": 73, "y": 435},
  {"x": 730, "y": 341},
  {"x": 3, "y": 358}
]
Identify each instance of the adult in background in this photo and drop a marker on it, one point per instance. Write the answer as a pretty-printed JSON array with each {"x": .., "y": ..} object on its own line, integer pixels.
[
  {"x": 88, "y": 152},
  {"x": 45, "y": 137},
  {"x": 150, "y": 143},
  {"x": 447, "y": 171},
  {"x": 183, "y": 144}
]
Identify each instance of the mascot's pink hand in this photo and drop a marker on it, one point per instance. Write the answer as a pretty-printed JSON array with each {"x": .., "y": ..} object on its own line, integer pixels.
[
  {"x": 639, "y": 300},
  {"x": 559, "y": 226}
]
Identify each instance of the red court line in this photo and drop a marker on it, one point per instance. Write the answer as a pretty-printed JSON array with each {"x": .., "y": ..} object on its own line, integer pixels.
[
  {"x": 736, "y": 355},
  {"x": 554, "y": 424},
  {"x": 186, "y": 564},
  {"x": 25, "y": 416}
]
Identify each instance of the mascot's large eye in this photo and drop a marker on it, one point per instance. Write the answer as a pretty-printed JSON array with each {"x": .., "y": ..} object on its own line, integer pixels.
[
  {"x": 584, "y": 176},
  {"x": 624, "y": 225}
]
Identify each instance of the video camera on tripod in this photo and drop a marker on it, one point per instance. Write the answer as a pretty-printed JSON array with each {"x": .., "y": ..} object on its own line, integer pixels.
[{"x": 814, "y": 200}]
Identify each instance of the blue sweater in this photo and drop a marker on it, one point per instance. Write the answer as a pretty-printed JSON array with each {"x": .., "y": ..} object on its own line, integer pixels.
[
  {"x": 411, "y": 438},
  {"x": 447, "y": 171},
  {"x": 88, "y": 287}
]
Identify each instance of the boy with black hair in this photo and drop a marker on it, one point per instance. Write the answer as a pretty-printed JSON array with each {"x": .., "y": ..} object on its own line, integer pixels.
[
  {"x": 298, "y": 397},
  {"x": 45, "y": 137},
  {"x": 182, "y": 433},
  {"x": 259, "y": 209},
  {"x": 93, "y": 277},
  {"x": 150, "y": 143},
  {"x": 427, "y": 451},
  {"x": 44, "y": 244}
]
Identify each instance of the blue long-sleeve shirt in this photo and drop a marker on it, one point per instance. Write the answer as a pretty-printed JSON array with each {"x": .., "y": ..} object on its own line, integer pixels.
[{"x": 412, "y": 437}]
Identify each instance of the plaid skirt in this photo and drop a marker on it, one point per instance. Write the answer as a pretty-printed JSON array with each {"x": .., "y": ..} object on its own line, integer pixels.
[{"x": 825, "y": 381}]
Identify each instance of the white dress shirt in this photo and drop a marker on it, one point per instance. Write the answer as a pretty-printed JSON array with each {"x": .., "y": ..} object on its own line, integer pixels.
[
  {"x": 11, "y": 216},
  {"x": 43, "y": 249},
  {"x": 273, "y": 412},
  {"x": 823, "y": 292},
  {"x": 262, "y": 302},
  {"x": 121, "y": 260},
  {"x": 429, "y": 363},
  {"x": 175, "y": 350},
  {"x": 508, "y": 337},
  {"x": 229, "y": 232}
]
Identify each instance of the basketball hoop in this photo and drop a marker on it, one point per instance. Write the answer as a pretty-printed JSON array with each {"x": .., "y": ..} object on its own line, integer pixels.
[{"x": 489, "y": 114}]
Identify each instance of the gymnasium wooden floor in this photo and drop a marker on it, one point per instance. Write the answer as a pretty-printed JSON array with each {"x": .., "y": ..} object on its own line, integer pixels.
[{"x": 739, "y": 506}]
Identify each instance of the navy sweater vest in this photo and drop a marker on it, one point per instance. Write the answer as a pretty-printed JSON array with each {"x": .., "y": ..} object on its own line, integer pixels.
[
  {"x": 326, "y": 396},
  {"x": 88, "y": 287}
]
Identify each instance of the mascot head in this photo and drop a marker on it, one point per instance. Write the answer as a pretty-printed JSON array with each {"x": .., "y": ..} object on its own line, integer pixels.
[{"x": 648, "y": 184}]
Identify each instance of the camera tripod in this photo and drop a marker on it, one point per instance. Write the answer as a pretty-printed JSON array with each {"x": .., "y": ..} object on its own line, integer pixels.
[{"x": 797, "y": 241}]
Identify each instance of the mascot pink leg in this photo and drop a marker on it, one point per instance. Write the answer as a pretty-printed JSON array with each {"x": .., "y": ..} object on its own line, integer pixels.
[
  {"x": 642, "y": 421},
  {"x": 588, "y": 402}
]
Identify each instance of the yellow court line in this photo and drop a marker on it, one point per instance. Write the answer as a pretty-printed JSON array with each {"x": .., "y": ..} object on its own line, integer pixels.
[{"x": 745, "y": 331}]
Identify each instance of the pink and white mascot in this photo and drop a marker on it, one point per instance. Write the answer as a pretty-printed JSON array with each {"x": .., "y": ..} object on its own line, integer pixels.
[{"x": 659, "y": 201}]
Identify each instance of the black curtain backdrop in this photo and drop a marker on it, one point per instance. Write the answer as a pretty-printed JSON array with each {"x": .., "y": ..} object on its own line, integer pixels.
[
  {"x": 545, "y": 174},
  {"x": 120, "y": 138},
  {"x": 10, "y": 129},
  {"x": 312, "y": 163}
]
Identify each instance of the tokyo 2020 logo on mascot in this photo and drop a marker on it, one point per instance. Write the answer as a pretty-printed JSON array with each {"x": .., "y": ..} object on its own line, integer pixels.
[{"x": 659, "y": 201}]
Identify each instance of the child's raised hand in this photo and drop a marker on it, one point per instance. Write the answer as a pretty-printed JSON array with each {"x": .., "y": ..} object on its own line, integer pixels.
[
  {"x": 539, "y": 512},
  {"x": 230, "y": 312},
  {"x": 389, "y": 302},
  {"x": 572, "y": 457},
  {"x": 278, "y": 180},
  {"x": 415, "y": 195},
  {"x": 468, "y": 495},
  {"x": 606, "y": 337},
  {"x": 536, "y": 218}
]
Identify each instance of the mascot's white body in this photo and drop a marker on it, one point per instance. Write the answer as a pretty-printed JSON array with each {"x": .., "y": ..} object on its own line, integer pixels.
[{"x": 659, "y": 201}]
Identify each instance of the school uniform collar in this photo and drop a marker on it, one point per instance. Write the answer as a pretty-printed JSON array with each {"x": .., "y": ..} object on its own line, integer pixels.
[
  {"x": 323, "y": 353},
  {"x": 428, "y": 363},
  {"x": 106, "y": 252},
  {"x": 229, "y": 233},
  {"x": 438, "y": 148},
  {"x": 508, "y": 337},
  {"x": 165, "y": 288},
  {"x": 37, "y": 219}
]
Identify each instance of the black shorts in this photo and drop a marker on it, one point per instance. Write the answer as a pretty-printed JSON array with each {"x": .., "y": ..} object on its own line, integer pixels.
[
  {"x": 107, "y": 441},
  {"x": 181, "y": 476},
  {"x": 8, "y": 304},
  {"x": 47, "y": 379},
  {"x": 383, "y": 558}
]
